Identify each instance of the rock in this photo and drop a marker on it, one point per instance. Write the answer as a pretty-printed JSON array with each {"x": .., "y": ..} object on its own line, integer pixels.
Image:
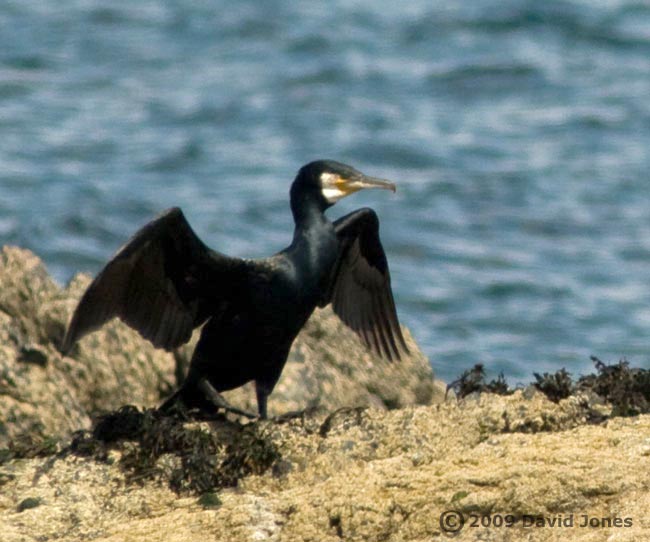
[
  {"x": 45, "y": 392},
  {"x": 365, "y": 474},
  {"x": 34, "y": 398},
  {"x": 353, "y": 473}
]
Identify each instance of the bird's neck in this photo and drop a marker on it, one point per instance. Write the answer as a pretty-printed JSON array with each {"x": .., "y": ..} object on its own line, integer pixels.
[
  {"x": 307, "y": 212},
  {"x": 314, "y": 244},
  {"x": 311, "y": 228}
]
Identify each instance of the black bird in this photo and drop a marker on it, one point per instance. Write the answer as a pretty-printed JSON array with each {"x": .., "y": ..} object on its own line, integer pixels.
[{"x": 165, "y": 282}]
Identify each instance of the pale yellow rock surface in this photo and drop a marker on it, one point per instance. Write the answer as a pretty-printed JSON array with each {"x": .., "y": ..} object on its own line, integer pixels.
[{"x": 368, "y": 475}]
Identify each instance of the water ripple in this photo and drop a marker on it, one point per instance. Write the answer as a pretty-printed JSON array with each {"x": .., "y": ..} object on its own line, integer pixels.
[{"x": 517, "y": 132}]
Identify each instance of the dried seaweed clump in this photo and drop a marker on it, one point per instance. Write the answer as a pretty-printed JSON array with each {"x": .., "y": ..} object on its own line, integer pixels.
[
  {"x": 626, "y": 388},
  {"x": 191, "y": 457},
  {"x": 30, "y": 445},
  {"x": 473, "y": 380},
  {"x": 556, "y": 386}
]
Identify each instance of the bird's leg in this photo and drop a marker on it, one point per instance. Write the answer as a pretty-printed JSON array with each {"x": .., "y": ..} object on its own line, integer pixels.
[
  {"x": 262, "y": 393},
  {"x": 218, "y": 400}
]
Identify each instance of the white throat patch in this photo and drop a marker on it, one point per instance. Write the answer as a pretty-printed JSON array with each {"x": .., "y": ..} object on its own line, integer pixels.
[{"x": 330, "y": 188}]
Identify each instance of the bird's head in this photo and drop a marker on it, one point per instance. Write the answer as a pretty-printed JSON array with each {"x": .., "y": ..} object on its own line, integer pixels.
[{"x": 329, "y": 181}]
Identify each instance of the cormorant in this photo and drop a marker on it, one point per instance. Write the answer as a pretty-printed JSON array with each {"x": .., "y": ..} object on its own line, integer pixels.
[{"x": 165, "y": 282}]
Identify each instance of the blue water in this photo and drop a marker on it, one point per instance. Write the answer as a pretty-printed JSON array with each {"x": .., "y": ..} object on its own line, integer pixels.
[{"x": 518, "y": 133}]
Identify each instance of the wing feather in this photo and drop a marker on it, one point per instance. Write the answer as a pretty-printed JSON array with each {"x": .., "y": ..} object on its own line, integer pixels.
[
  {"x": 160, "y": 283},
  {"x": 360, "y": 291}
]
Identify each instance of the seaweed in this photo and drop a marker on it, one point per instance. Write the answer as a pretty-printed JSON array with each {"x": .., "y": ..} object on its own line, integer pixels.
[
  {"x": 473, "y": 381},
  {"x": 192, "y": 458},
  {"x": 556, "y": 386},
  {"x": 29, "y": 445},
  {"x": 626, "y": 388}
]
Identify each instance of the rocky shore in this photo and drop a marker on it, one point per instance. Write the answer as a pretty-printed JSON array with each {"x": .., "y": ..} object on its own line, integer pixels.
[{"x": 378, "y": 454}]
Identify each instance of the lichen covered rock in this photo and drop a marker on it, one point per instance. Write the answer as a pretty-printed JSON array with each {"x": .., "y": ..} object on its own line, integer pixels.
[{"x": 357, "y": 474}]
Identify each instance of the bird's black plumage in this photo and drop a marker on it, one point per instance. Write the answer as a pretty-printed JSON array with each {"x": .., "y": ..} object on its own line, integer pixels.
[{"x": 165, "y": 282}]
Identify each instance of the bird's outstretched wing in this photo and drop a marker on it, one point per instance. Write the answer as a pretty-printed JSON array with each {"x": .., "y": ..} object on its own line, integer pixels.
[
  {"x": 160, "y": 283},
  {"x": 360, "y": 290}
]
